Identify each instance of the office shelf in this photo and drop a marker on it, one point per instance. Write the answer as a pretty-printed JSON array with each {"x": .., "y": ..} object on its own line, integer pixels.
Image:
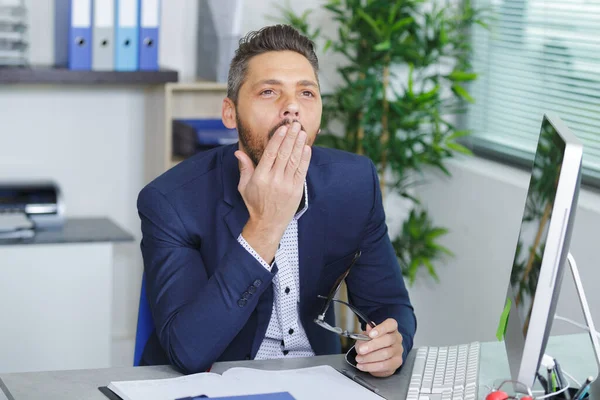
[
  {"x": 54, "y": 75},
  {"x": 201, "y": 99}
]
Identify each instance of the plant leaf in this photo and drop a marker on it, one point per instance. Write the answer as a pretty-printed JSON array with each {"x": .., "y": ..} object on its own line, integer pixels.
[
  {"x": 461, "y": 76},
  {"x": 462, "y": 93},
  {"x": 393, "y": 12},
  {"x": 431, "y": 270},
  {"x": 410, "y": 79},
  {"x": 442, "y": 249},
  {"x": 458, "y": 134},
  {"x": 402, "y": 23},
  {"x": 436, "y": 232},
  {"x": 370, "y": 21},
  {"x": 383, "y": 46},
  {"x": 459, "y": 148}
]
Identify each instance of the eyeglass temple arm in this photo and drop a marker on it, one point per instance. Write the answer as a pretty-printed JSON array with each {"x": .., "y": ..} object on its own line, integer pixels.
[{"x": 356, "y": 311}]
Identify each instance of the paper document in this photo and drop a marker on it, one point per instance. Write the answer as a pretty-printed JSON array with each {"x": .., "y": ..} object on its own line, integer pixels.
[{"x": 322, "y": 382}]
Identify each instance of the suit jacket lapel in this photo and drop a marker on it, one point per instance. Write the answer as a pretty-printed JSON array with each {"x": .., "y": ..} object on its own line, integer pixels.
[
  {"x": 311, "y": 246},
  {"x": 237, "y": 214}
]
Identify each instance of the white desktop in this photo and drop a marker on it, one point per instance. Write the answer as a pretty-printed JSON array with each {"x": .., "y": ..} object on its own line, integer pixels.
[{"x": 452, "y": 372}]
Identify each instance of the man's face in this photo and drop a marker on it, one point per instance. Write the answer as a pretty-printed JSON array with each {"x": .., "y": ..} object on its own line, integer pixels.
[{"x": 280, "y": 87}]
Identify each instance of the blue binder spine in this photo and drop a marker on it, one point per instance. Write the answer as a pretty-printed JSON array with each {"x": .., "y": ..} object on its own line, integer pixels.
[
  {"x": 127, "y": 35},
  {"x": 73, "y": 34},
  {"x": 80, "y": 48},
  {"x": 149, "y": 34}
]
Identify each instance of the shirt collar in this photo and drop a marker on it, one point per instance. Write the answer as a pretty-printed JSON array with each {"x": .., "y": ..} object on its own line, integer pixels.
[{"x": 305, "y": 207}]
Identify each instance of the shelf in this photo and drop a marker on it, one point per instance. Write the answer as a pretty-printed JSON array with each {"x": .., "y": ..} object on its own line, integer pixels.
[{"x": 53, "y": 75}]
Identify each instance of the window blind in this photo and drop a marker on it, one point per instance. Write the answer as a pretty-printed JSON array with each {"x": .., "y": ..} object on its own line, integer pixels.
[{"x": 537, "y": 56}]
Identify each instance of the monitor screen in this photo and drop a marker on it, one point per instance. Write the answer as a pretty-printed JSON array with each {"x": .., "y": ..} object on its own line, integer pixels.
[
  {"x": 542, "y": 247},
  {"x": 536, "y": 221}
]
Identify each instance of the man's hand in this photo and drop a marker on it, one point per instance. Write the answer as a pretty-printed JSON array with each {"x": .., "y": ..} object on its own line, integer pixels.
[
  {"x": 382, "y": 355},
  {"x": 272, "y": 191}
]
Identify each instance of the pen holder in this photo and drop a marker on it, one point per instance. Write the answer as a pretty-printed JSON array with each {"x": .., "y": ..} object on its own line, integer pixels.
[{"x": 571, "y": 392}]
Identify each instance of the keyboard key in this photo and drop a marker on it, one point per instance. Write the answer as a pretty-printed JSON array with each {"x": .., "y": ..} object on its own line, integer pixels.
[
  {"x": 441, "y": 388},
  {"x": 431, "y": 397}
]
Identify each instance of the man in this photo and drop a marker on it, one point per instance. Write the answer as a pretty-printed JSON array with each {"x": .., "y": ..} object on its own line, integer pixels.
[{"x": 239, "y": 242}]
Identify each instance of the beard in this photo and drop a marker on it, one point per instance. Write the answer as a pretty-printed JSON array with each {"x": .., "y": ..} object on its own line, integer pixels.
[{"x": 254, "y": 145}]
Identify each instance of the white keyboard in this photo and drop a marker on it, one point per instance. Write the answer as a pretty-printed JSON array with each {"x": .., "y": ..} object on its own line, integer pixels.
[{"x": 445, "y": 373}]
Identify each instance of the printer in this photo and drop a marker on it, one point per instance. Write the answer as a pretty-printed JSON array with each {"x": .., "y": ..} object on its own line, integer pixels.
[{"x": 41, "y": 202}]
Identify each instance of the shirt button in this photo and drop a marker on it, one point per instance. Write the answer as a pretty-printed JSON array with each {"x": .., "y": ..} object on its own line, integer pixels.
[
  {"x": 241, "y": 302},
  {"x": 287, "y": 290},
  {"x": 257, "y": 283},
  {"x": 285, "y": 352},
  {"x": 291, "y": 331},
  {"x": 252, "y": 289}
]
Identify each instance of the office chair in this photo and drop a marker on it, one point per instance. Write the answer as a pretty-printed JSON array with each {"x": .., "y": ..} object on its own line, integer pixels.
[{"x": 145, "y": 325}]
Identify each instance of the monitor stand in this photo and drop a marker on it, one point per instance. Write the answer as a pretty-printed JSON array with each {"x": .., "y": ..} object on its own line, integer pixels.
[{"x": 595, "y": 386}]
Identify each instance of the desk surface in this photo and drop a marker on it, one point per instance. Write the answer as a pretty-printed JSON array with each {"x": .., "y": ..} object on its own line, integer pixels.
[
  {"x": 573, "y": 351},
  {"x": 77, "y": 230}
]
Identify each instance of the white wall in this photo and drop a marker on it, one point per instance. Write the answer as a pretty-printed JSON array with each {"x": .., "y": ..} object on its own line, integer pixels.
[{"x": 482, "y": 204}]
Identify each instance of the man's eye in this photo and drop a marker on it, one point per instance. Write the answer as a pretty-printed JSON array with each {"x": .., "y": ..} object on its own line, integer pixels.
[
  {"x": 267, "y": 92},
  {"x": 308, "y": 93}
]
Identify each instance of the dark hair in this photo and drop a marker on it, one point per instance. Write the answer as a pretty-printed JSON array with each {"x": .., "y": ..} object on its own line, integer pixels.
[{"x": 270, "y": 38}]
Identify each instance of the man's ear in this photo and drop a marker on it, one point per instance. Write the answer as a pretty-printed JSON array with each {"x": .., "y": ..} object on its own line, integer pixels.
[{"x": 228, "y": 113}]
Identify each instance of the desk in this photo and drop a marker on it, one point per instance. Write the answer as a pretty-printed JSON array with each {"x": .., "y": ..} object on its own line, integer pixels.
[{"x": 573, "y": 351}]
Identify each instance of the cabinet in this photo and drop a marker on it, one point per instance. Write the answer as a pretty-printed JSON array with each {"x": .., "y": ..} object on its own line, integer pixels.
[{"x": 56, "y": 297}]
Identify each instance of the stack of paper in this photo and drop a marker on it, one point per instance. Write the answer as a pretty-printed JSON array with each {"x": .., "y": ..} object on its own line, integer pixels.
[{"x": 15, "y": 225}]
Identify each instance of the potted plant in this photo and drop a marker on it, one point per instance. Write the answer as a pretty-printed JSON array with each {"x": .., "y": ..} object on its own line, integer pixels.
[{"x": 407, "y": 63}]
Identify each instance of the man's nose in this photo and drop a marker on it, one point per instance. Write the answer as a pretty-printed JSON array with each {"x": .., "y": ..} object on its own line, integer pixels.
[{"x": 291, "y": 110}]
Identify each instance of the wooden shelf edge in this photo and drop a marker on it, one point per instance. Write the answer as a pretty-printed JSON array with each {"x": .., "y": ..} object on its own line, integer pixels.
[{"x": 54, "y": 75}]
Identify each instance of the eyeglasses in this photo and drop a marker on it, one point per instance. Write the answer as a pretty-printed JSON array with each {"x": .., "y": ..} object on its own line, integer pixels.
[{"x": 320, "y": 320}]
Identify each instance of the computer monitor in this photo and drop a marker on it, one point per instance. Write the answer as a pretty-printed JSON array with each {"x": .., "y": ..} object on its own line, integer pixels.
[{"x": 542, "y": 247}]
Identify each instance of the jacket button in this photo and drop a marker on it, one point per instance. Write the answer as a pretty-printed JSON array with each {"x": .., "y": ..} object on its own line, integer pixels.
[
  {"x": 241, "y": 302},
  {"x": 257, "y": 283},
  {"x": 247, "y": 356},
  {"x": 245, "y": 295},
  {"x": 252, "y": 289}
]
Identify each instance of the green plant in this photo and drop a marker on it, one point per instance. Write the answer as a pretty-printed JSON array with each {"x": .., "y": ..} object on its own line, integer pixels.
[{"x": 403, "y": 81}]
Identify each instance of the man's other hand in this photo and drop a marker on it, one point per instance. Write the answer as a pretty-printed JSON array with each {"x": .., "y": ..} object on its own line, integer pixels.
[{"x": 382, "y": 355}]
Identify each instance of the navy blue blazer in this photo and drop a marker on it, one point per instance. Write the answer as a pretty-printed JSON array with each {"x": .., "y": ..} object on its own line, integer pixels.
[{"x": 197, "y": 273}]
